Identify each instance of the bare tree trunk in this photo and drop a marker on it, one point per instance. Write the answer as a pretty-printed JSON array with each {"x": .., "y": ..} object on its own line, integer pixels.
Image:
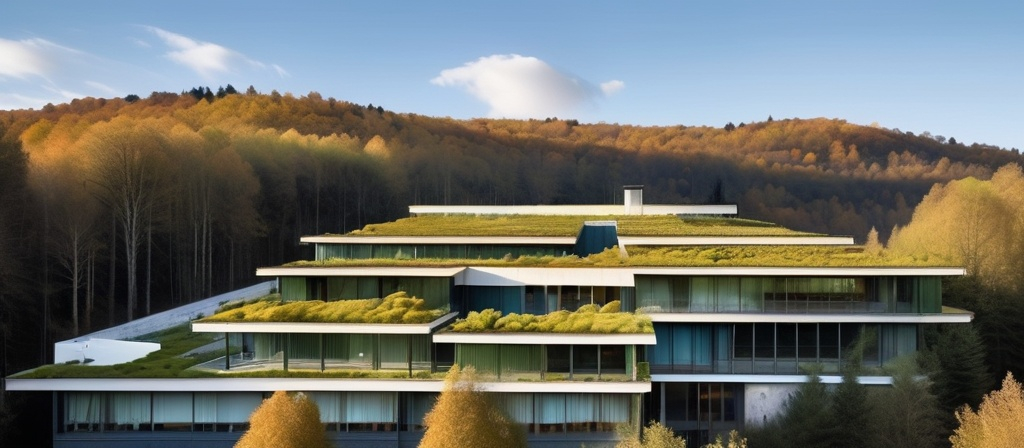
[
  {"x": 113, "y": 271},
  {"x": 46, "y": 283},
  {"x": 231, "y": 264},
  {"x": 90, "y": 278},
  {"x": 149, "y": 260},
  {"x": 75, "y": 281}
]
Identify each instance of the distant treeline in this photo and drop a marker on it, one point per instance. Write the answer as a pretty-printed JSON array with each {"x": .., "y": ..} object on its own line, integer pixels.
[{"x": 114, "y": 208}]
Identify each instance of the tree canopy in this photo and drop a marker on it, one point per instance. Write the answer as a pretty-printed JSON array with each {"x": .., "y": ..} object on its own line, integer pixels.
[
  {"x": 465, "y": 416},
  {"x": 997, "y": 422},
  {"x": 285, "y": 421}
]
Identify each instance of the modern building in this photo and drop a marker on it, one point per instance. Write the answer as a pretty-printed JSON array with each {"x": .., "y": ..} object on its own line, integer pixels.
[{"x": 719, "y": 319}]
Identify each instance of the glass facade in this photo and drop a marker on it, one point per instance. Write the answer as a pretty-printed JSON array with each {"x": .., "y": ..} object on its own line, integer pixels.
[
  {"x": 435, "y": 291},
  {"x": 697, "y": 410},
  {"x": 230, "y": 411},
  {"x": 773, "y": 348},
  {"x": 314, "y": 351},
  {"x": 705, "y": 294},
  {"x": 540, "y": 299},
  {"x": 510, "y": 362},
  {"x": 448, "y": 251},
  {"x": 545, "y": 413}
]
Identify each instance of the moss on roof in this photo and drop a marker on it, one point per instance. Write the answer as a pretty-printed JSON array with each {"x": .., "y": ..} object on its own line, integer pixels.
[
  {"x": 674, "y": 256},
  {"x": 397, "y": 308},
  {"x": 168, "y": 362},
  {"x": 586, "y": 320},
  {"x": 569, "y": 226}
]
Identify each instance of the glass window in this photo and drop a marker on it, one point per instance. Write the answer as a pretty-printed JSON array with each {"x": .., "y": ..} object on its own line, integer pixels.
[
  {"x": 829, "y": 340},
  {"x": 613, "y": 359},
  {"x": 728, "y": 294},
  {"x": 786, "y": 340},
  {"x": 807, "y": 342},
  {"x": 744, "y": 341},
  {"x": 558, "y": 358},
  {"x": 584, "y": 358},
  {"x": 764, "y": 341}
]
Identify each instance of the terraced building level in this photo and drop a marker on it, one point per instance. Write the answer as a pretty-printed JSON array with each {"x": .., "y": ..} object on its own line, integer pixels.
[{"x": 578, "y": 319}]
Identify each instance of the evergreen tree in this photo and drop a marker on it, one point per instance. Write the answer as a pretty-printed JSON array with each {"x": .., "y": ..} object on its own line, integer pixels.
[
  {"x": 906, "y": 414},
  {"x": 957, "y": 358},
  {"x": 849, "y": 401},
  {"x": 805, "y": 421}
]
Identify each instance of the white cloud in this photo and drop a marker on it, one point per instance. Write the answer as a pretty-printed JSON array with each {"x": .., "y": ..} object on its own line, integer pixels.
[
  {"x": 107, "y": 90},
  {"x": 612, "y": 86},
  {"x": 30, "y": 57},
  {"x": 280, "y": 71},
  {"x": 517, "y": 86},
  {"x": 206, "y": 58}
]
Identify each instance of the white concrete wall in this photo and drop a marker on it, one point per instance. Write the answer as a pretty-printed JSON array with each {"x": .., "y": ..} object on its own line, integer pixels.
[
  {"x": 763, "y": 401},
  {"x": 102, "y": 352}
]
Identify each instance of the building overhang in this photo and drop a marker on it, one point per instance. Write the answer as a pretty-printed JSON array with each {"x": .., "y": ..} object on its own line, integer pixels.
[
  {"x": 572, "y": 210},
  {"x": 360, "y": 271},
  {"x": 321, "y": 327},
  {"x": 763, "y": 379},
  {"x": 513, "y": 276},
  {"x": 308, "y": 385},
  {"x": 521, "y": 338},
  {"x": 735, "y": 240},
  {"x": 428, "y": 240},
  {"x": 762, "y": 271},
  {"x": 221, "y": 384},
  {"x": 588, "y": 387},
  {"x": 960, "y": 317}
]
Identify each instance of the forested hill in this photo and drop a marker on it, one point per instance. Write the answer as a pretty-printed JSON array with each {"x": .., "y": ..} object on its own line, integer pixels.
[{"x": 227, "y": 182}]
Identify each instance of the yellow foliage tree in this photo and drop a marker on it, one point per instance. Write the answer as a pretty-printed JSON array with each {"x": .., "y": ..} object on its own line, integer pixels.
[
  {"x": 465, "y": 416},
  {"x": 655, "y": 435},
  {"x": 285, "y": 421},
  {"x": 998, "y": 421},
  {"x": 974, "y": 223}
]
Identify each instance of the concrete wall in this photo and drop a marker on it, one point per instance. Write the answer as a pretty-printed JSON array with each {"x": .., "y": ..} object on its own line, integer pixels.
[{"x": 763, "y": 401}]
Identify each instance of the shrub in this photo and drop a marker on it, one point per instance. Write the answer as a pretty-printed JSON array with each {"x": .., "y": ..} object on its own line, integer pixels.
[{"x": 285, "y": 421}]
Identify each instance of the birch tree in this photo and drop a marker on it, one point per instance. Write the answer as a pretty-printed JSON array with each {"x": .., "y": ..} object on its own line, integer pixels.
[{"x": 125, "y": 164}]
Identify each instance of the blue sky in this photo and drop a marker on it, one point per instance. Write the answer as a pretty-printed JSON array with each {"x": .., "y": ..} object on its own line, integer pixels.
[{"x": 954, "y": 69}]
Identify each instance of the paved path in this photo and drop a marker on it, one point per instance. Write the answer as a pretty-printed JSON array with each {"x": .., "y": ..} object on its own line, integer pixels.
[{"x": 176, "y": 316}]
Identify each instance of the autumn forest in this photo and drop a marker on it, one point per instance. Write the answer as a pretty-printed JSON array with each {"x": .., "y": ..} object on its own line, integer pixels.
[{"x": 111, "y": 209}]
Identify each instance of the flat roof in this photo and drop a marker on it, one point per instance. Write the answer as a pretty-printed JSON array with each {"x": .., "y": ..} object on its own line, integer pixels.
[
  {"x": 512, "y": 275},
  {"x": 309, "y": 385},
  {"x": 554, "y": 210},
  {"x": 322, "y": 327},
  {"x": 525, "y": 338},
  {"x": 960, "y": 317},
  {"x": 534, "y": 225}
]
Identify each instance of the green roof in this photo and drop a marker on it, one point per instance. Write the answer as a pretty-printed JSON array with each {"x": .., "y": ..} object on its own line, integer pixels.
[
  {"x": 569, "y": 226},
  {"x": 397, "y": 308},
  {"x": 672, "y": 256},
  {"x": 588, "y": 319}
]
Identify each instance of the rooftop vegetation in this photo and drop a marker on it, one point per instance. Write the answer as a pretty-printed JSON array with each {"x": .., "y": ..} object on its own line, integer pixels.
[
  {"x": 167, "y": 362},
  {"x": 588, "y": 319},
  {"x": 397, "y": 308},
  {"x": 674, "y": 256},
  {"x": 569, "y": 226}
]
